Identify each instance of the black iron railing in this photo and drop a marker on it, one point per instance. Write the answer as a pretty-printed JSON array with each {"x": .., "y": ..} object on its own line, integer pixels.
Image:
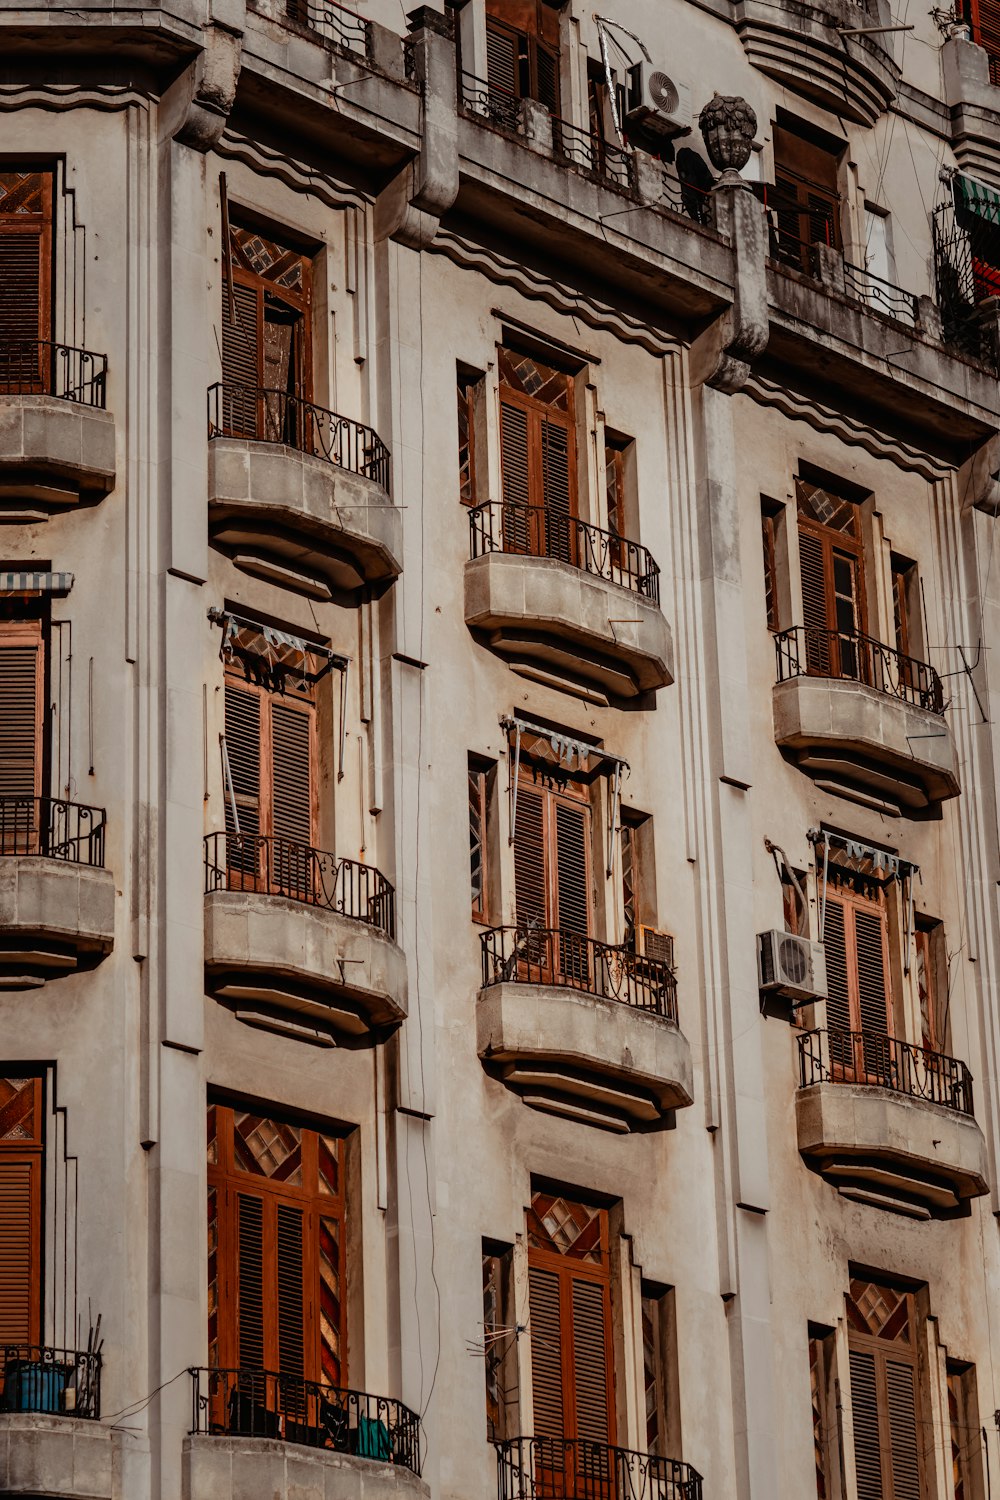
[
  {"x": 261, "y": 1404},
  {"x": 539, "y": 531},
  {"x": 881, "y": 296},
  {"x": 691, "y": 199},
  {"x": 53, "y": 829},
  {"x": 836, "y": 1055},
  {"x": 40, "y": 367},
  {"x": 273, "y": 416},
  {"x": 967, "y": 278},
  {"x": 60, "y": 1382},
  {"x": 584, "y": 149},
  {"x": 280, "y": 867},
  {"x": 528, "y": 954},
  {"x": 848, "y": 656},
  {"x": 478, "y": 96},
  {"x": 557, "y": 1469},
  {"x": 335, "y": 23}
]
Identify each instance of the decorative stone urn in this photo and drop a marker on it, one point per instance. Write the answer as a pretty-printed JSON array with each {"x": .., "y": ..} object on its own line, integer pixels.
[{"x": 728, "y": 126}]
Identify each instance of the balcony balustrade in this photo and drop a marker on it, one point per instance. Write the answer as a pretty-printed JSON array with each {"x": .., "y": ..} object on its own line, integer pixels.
[
  {"x": 52, "y": 1442},
  {"x": 558, "y": 1469},
  {"x": 591, "y": 153},
  {"x": 582, "y": 1028},
  {"x": 58, "y": 1382},
  {"x": 853, "y": 711},
  {"x": 889, "y": 1122},
  {"x": 57, "y": 439},
  {"x": 336, "y": 25},
  {"x": 300, "y": 941},
  {"x": 497, "y": 106},
  {"x": 298, "y": 493},
  {"x": 549, "y": 588},
  {"x": 57, "y": 901}
]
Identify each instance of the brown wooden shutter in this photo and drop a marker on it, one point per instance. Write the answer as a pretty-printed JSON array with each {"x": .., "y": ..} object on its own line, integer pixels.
[
  {"x": 242, "y": 344},
  {"x": 590, "y": 1361},
  {"x": 514, "y": 462},
  {"x": 547, "y": 71},
  {"x": 870, "y": 935},
  {"x": 546, "y": 1352},
  {"x": 501, "y": 60},
  {"x": 865, "y": 1413},
  {"x": 21, "y": 710},
  {"x": 291, "y": 770},
  {"x": 250, "y": 1282},
  {"x": 290, "y": 1289},
  {"x": 815, "y": 602},
  {"x": 838, "y": 1002},
  {"x": 243, "y": 746},
  {"x": 23, "y": 314},
  {"x": 20, "y": 1271},
  {"x": 529, "y": 859},
  {"x": 557, "y": 491},
  {"x": 901, "y": 1405},
  {"x": 572, "y": 867}
]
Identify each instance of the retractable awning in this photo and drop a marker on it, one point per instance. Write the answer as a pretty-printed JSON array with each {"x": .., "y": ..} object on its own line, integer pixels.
[
  {"x": 885, "y": 867},
  {"x": 976, "y": 199},
  {"x": 35, "y": 583}
]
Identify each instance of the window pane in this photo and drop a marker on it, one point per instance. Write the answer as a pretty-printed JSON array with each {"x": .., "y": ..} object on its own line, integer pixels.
[{"x": 268, "y": 1148}]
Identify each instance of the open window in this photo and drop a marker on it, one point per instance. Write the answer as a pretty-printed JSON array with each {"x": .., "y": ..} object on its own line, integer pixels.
[
  {"x": 26, "y": 363},
  {"x": 831, "y": 565},
  {"x": 931, "y": 970},
  {"x": 482, "y": 836},
  {"x": 965, "y": 1430},
  {"x": 661, "y": 1381},
  {"x": 522, "y": 50},
  {"x": 469, "y": 392},
  {"x": 825, "y": 1413},
  {"x": 804, "y": 205},
  {"x": 21, "y": 1192},
  {"x": 500, "y": 1337}
]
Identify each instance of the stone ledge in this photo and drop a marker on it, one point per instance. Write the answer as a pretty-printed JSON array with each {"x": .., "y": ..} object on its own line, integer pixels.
[
  {"x": 55, "y": 451},
  {"x": 51, "y": 903},
  {"x": 233, "y": 1468},
  {"x": 60, "y": 1458}
]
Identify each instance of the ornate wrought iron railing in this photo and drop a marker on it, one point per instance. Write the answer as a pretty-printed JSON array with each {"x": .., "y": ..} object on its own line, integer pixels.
[
  {"x": 280, "y": 867},
  {"x": 836, "y": 1055},
  {"x": 260, "y": 1403},
  {"x": 529, "y": 954},
  {"x": 584, "y": 149},
  {"x": 881, "y": 296},
  {"x": 59, "y": 1382},
  {"x": 538, "y": 531},
  {"x": 685, "y": 197},
  {"x": 53, "y": 829},
  {"x": 335, "y": 23},
  {"x": 272, "y": 416},
  {"x": 847, "y": 655},
  {"x": 41, "y": 367},
  {"x": 478, "y": 96},
  {"x": 967, "y": 277},
  {"x": 557, "y": 1469}
]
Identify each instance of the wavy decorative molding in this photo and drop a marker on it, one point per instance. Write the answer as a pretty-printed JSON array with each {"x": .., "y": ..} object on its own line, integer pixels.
[
  {"x": 825, "y": 419},
  {"x": 60, "y": 96},
  {"x": 539, "y": 288},
  {"x": 294, "y": 174}
]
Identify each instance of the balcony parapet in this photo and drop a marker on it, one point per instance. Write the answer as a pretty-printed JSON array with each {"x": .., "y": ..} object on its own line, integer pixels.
[
  {"x": 888, "y": 1122},
  {"x": 849, "y": 709},
  {"x": 531, "y": 1468},
  {"x": 583, "y": 1029},
  {"x": 57, "y": 440},
  {"x": 301, "y": 942}
]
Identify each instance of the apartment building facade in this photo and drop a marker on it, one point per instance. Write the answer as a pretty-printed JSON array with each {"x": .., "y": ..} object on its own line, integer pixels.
[{"x": 498, "y": 823}]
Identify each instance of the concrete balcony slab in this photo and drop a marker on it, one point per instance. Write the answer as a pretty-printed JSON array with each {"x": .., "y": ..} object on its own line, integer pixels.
[
  {"x": 842, "y": 731},
  {"x": 54, "y": 453},
  {"x": 568, "y": 622},
  {"x": 303, "y": 970},
  {"x": 287, "y": 515},
  {"x": 54, "y": 917},
  {"x": 61, "y": 1458},
  {"x": 237, "y": 1468},
  {"x": 579, "y": 1055},
  {"x": 904, "y": 1153}
]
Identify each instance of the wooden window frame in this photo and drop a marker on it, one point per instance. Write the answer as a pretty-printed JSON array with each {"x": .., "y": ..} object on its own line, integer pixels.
[
  {"x": 966, "y": 1455},
  {"x": 29, "y": 634},
  {"x": 467, "y": 388},
  {"x": 527, "y": 23},
  {"x": 771, "y": 512},
  {"x": 556, "y": 792},
  {"x": 824, "y": 1390},
  {"x": 928, "y": 942},
  {"x": 42, "y": 226},
  {"x": 499, "y": 1340},
  {"x": 883, "y": 1351},
  {"x": 30, "y": 1154},
  {"x": 867, "y": 1061},
  {"x": 838, "y": 659},
  {"x": 539, "y": 417},
  {"x": 481, "y": 776}
]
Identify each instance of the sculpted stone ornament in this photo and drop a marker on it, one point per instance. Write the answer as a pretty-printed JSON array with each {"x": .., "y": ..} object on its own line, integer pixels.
[{"x": 728, "y": 126}]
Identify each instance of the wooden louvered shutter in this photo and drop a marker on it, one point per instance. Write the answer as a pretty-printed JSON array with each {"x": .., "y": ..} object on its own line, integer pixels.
[
  {"x": 572, "y": 888},
  {"x": 20, "y": 1271},
  {"x": 501, "y": 60},
  {"x": 290, "y": 1289},
  {"x": 815, "y": 602},
  {"x": 865, "y": 1414},
  {"x": 838, "y": 1001},
  {"x": 291, "y": 798},
  {"x": 21, "y": 710},
  {"x": 515, "y": 479},
  {"x": 250, "y": 1281},
  {"x": 529, "y": 859},
  {"x": 590, "y": 1361},
  {"x": 243, "y": 748},
  {"x": 873, "y": 988},
  {"x": 546, "y": 1353},
  {"x": 557, "y": 491},
  {"x": 23, "y": 309},
  {"x": 901, "y": 1406},
  {"x": 241, "y": 362},
  {"x": 547, "y": 72}
]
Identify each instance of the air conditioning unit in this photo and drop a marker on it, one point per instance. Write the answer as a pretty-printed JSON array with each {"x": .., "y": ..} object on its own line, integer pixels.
[
  {"x": 651, "y": 943},
  {"x": 793, "y": 965},
  {"x": 656, "y": 106}
]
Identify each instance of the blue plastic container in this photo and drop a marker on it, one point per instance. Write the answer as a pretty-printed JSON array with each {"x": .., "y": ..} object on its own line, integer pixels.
[{"x": 34, "y": 1387}]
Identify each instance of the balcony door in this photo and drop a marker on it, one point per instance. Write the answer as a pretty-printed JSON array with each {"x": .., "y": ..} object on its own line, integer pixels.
[
  {"x": 830, "y": 564},
  {"x": 537, "y": 458},
  {"x": 270, "y": 748},
  {"x": 21, "y": 1137},
  {"x": 265, "y": 342},
  {"x": 859, "y": 1001},
  {"x": 522, "y": 50},
  {"x": 552, "y": 879},
  {"x": 22, "y": 719},
  {"x": 25, "y": 279},
  {"x": 572, "y": 1374},
  {"x": 885, "y": 1393}
]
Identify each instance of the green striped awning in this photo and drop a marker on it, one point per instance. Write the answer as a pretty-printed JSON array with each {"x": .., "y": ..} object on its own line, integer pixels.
[
  {"x": 35, "y": 583},
  {"x": 975, "y": 198}
]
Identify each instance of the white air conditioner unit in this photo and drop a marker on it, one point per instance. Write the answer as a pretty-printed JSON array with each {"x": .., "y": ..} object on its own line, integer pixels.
[
  {"x": 793, "y": 965},
  {"x": 656, "y": 106},
  {"x": 651, "y": 943}
]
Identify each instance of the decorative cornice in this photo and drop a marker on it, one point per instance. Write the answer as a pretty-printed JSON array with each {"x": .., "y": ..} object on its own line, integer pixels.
[
  {"x": 63, "y": 96},
  {"x": 294, "y": 174},
  {"x": 797, "y": 407}
]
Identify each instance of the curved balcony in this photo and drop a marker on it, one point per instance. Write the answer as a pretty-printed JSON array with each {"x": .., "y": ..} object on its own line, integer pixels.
[
  {"x": 582, "y": 1028},
  {"x": 559, "y": 1469},
  {"x": 275, "y": 1434},
  {"x": 300, "y": 942},
  {"x": 862, "y": 719},
  {"x": 566, "y": 597},
  {"x": 297, "y": 494},
  {"x": 51, "y": 1442},
  {"x": 57, "y": 440},
  {"x": 57, "y": 901},
  {"x": 889, "y": 1123},
  {"x": 809, "y": 48}
]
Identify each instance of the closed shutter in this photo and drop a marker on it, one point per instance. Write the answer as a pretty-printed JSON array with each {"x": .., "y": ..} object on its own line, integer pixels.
[
  {"x": 815, "y": 603},
  {"x": 291, "y": 800},
  {"x": 529, "y": 859},
  {"x": 21, "y": 712},
  {"x": 291, "y": 1319},
  {"x": 557, "y": 494},
  {"x": 901, "y": 1403},
  {"x": 23, "y": 320},
  {"x": 515, "y": 478},
  {"x": 547, "y": 65},
  {"x": 572, "y": 888},
  {"x": 865, "y": 1414},
  {"x": 546, "y": 1353},
  {"x": 243, "y": 749},
  {"x": 590, "y": 1362},
  {"x": 20, "y": 1208},
  {"x": 838, "y": 997},
  {"x": 241, "y": 362},
  {"x": 501, "y": 60},
  {"x": 250, "y": 1288},
  {"x": 869, "y": 929}
]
